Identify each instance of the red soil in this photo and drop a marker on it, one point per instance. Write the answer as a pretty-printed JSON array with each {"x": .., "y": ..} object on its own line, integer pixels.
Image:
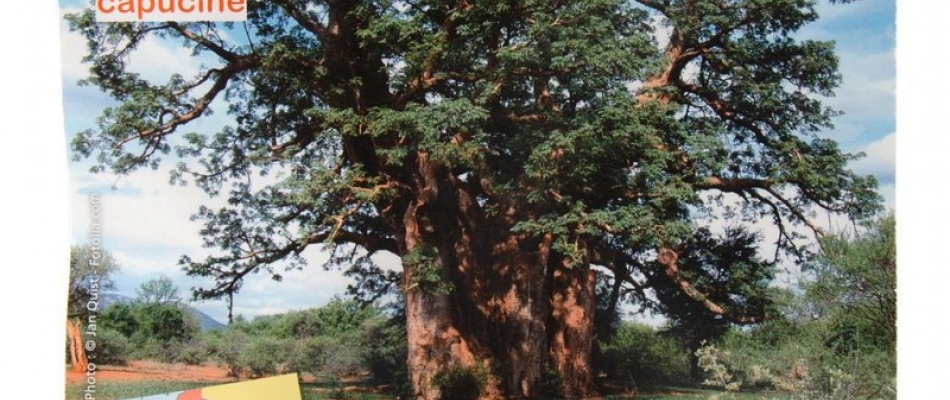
[{"x": 153, "y": 371}]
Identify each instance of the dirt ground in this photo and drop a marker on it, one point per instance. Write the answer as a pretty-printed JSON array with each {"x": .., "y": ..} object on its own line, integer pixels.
[{"x": 153, "y": 371}]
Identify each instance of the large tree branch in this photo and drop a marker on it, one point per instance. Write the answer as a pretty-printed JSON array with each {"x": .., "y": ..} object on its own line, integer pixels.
[
  {"x": 796, "y": 212},
  {"x": 667, "y": 258},
  {"x": 303, "y": 19},
  {"x": 733, "y": 185},
  {"x": 215, "y": 48},
  {"x": 165, "y": 128}
]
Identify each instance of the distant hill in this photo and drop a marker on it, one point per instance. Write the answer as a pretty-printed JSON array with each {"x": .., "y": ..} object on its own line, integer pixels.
[{"x": 204, "y": 320}]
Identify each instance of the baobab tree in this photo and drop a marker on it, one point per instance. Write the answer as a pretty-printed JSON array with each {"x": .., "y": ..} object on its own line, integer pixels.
[{"x": 500, "y": 148}]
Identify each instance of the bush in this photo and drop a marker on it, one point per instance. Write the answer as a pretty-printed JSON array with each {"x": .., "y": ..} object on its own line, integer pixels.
[
  {"x": 227, "y": 346},
  {"x": 194, "y": 351},
  {"x": 306, "y": 355},
  {"x": 803, "y": 366},
  {"x": 145, "y": 348},
  {"x": 152, "y": 331},
  {"x": 460, "y": 383},
  {"x": 111, "y": 348},
  {"x": 640, "y": 355},
  {"x": 385, "y": 351},
  {"x": 342, "y": 357},
  {"x": 263, "y": 356}
]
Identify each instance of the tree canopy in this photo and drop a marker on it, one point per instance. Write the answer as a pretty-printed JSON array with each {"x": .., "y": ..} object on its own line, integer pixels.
[
  {"x": 492, "y": 145},
  {"x": 158, "y": 290}
]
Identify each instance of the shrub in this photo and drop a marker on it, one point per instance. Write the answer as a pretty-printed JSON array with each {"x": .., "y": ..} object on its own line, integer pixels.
[
  {"x": 263, "y": 355},
  {"x": 323, "y": 355},
  {"x": 194, "y": 351},
  {"x": 145, "y": 348},
  {"x": 715, "y": 363},
  {"x": 305, "y": 355},
  {"x": 226, "y": 347},
  {"x": 640, "y": 355},
  {"x": 342, "y": 358},
  {"x": 804, "y": 366},
  {"x": 385, "y": 351},
  {"x": 460, "y": 383},
  {"x": 111, "y": 348}
]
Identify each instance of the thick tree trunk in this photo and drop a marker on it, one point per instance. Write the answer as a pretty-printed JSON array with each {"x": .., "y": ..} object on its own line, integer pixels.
[
  {"x": 572, "y": 325},
  {"x": 512, "y": 309},
  {"x": 507, "y": 322},
  {"x": 492, "y": 324}
]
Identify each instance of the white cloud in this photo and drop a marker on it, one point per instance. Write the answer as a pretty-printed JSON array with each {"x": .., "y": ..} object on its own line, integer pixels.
[
  {"x": 867, "y": 90},
  {"x": 879, "y": 160},
  {"x": 147, "y": 227},
  {"x": 143, "y": 209}
]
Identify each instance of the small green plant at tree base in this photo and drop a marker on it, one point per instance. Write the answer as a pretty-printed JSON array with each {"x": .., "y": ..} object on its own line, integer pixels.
[{"x": 460, "y": 383}]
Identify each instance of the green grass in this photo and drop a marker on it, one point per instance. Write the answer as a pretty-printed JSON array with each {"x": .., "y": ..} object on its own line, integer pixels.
[
  {"x": 327, "y": 391},
  {"x": 688, "y": 393}
]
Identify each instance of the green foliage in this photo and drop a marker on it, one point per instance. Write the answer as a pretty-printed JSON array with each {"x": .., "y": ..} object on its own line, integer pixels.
[
  {"x": 855, "y": 284},
  {"x": 460, "y": 383},
  {"x": 560, "y": 118},
  {"x": 112, "y": 348},
  {"x": 154, "y": 330},
  {"x": 639, "y": 356},
  {"x": 427, "y": 271},
  {"x": 341, "y": 339},
  {"x": 158, "y": 290},
  {"x": 262, "y": 355},
  {"x": 385, "y": 350},
  {"x": 194, "y": 351},
  {"x": 308, "y": 354},
  {"x": 122, "y": 317},
  {"x": 165, "y": 322},
  {"x": 90, "y": 274},
  {"x": 462, "y": 127},
  {"x": 794, "y": 357},
  {"x": 227, "y": 346},
  {"x": 728, "y": 271}
]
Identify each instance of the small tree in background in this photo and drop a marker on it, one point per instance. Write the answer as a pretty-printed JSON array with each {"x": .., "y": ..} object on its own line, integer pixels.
[
  {"x": 158, "y": 290},
  {"x": 156, "y": 323}
]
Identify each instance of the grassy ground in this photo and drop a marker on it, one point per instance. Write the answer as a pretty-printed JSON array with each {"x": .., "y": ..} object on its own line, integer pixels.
[{"x": 683, "y": 393}]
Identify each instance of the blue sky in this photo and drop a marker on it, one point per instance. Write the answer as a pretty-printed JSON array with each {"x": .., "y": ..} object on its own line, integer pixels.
[{"x": 147, "y": 223}]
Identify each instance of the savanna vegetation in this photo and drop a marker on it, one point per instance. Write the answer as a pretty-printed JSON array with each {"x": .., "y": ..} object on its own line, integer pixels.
[{"x": 832, "y": 337}]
